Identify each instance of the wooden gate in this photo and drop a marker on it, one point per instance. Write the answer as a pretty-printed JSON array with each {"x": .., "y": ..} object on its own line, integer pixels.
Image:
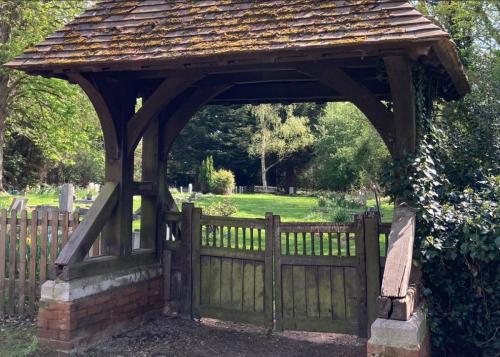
[
  {"x": 299, "y": 276},
  {"x": 232, "y": 268},
  {"x": 320, "y": 277}
]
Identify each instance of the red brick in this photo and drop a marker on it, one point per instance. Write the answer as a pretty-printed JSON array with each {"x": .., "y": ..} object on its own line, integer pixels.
[
  {"x": 80, "y": 314},
  {"x": 47, "y": 333},
  {"x": 94, "y": 309},
  {"x": 60, "y": 306},
  {"x": 59, "y": 325},
  {"x": 56, "y": 345},
  {"x": 42, "y": 323},
  {"x": 102, "y": 299}
]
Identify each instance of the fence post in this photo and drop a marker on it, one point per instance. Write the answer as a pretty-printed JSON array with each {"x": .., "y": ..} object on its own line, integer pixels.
[
  {"x": 195, "y": 258},
  {"x": 372, "y": 261},
  {"x": 187, "y": 227},
  {"x": 268, "y": 264},
  {"x": 276, "y": 237}
]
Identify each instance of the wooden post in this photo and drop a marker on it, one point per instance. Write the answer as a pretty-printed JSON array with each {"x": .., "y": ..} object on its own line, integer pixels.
[
  {"x": 268, "y": 266},
  {"x": 361, "y": 272},
  {"x": 275, "y": 236},
  {"x": 372, "y": 259},
  {"x": 117, "y": 233},
  {"x": 187, "y": 279},
  {"x": 195, "y": 258},
  {"x": 150, "y": 207}
]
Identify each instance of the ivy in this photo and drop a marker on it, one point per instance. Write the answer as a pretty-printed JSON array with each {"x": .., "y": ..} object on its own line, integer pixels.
[{"x": 457, "y": 238}]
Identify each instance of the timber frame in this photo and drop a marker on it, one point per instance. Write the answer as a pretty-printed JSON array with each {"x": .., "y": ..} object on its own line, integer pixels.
[{"x": 178, "y": 75}]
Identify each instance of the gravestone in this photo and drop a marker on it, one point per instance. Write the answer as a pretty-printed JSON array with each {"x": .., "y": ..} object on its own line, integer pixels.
[
  {"x": 190, "y": 188},
  {"x": 18, "y": 204},
  {"x": 291, "y": 190},
  {"x": 66, "y": 198},
  {"x": 182, "y": 189}
]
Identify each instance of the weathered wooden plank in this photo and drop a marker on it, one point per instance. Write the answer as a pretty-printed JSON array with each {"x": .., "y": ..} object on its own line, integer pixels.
[
  {"x": 286, "y": 291},
  {"x": 372, "y": 267},
  {"x": 65, "y": 229},
  {"x": 400, "y": 253},
  {"x": 87, "y": 231},
  {"x": 108, "y": 264},
  {"x": 195, "y": 246},
  {"x": 233, "y": 222},
  {"x": 3, "y": 242},
  {"x": 299, "y": 293},
  {"x": 205, "y": 280},
  {"x": 32, "y": 263},
  {"x": 225, "y": 285},
  {"x": 319, "y": 260},
  {"x": 53, "y": 218},
  {"x": 259, "y": 287},
  {"x": 167, "y": 274},
  {"x": 232, "y": 253},
  {"x": 268, "y": 270},
  {"x": 312, "y": 298},
  {"x": 316, "y": 227},
  {"x": 325, "y": 292},
  {"x": 22, "y": 261},
  {"x": 12, "y": 262},
  {"x": 351, "y": 282},
  {"x": 338, "y": 293},
  {"x": 215, "y": 278},
  {"x": 248, "y": 286},
  {"x": 237, "y": 284}
]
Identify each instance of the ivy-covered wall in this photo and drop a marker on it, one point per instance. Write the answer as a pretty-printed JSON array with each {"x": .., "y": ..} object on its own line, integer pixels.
[{"x": 458, "y": 238}]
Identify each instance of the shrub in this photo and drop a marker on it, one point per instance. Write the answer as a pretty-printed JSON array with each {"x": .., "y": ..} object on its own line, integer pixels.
[
  {"x": 222, "y": 182},
  {"x": 206, "y": 173},
  {"x": 221, "y": 208}
]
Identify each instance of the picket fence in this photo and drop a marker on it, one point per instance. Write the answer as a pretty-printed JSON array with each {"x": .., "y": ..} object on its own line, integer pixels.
[{"x": 29, "y": 244}]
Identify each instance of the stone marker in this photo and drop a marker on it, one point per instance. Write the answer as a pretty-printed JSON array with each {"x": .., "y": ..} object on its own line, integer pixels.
[
  {"x": 66, "y": 198},
  {"x": 190, "y": 188},
  {"x": 18, "y": 204},
  {"x": 291, "y": 190}
]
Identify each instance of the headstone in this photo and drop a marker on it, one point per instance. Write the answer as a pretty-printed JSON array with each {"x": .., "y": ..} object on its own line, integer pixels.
[
  {"x": 18, "y": 204},
  {"x": 291, "y": 190},
  {"x": 190, "y": 188},
  {"x": 66, "y": 198},
  {"x": 182, "y": 189}
]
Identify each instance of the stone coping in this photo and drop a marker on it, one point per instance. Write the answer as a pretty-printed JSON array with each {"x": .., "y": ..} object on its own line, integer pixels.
[{"x": 67, "y": 291}]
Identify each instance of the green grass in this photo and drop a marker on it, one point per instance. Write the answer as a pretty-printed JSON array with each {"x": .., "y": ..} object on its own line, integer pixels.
[
  {"x": 290, "y": 208},
  {"x": 17, "y": 341}
]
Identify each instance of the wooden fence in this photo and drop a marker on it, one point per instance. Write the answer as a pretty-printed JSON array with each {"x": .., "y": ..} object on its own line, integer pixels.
[{"x": 29, "y": 244}]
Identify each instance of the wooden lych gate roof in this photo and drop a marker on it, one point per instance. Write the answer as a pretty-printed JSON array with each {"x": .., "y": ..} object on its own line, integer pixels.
[{"x": 117, "y": 35}]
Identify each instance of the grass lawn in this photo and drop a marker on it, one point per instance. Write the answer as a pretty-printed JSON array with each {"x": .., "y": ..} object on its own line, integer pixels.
[{"x": 290, "y": 208}]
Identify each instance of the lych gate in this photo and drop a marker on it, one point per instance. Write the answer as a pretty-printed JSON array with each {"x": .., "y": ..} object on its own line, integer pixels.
[{"x": 178, "y": 56}]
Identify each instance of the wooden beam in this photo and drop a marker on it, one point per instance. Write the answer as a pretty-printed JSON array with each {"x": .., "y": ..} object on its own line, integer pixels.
[
  {"x": 172, "y": 125},
  {"x": 103, "y": 113},
  {"x": 108, "y": 264},
  {"x": 446, "y": 52},
  {"x": 399, "y": 256},
  {"x": 403, "y": 98},
  {"x": 163, "y": 95},
  {"x": 378, "y": 114},
  {"x": 86, "y": 233}
]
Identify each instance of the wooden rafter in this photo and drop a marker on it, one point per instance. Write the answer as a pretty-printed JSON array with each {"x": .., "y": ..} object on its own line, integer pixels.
[{"x": 163, "y": 95}]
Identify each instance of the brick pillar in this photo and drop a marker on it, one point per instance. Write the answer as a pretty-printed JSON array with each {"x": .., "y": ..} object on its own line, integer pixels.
[
  {"x": 394, "y": 338},
  {"x": 74, "y": 315}
]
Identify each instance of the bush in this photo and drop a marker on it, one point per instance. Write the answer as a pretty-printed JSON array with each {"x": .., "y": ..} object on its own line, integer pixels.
[
  {"x": 221, "y": 208},
  {"x": 222, "y": 182},
  {"x": 206, "y": 172}
]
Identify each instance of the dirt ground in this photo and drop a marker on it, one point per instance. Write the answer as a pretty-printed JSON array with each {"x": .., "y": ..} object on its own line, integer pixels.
[{"x": 177, "y": 337}]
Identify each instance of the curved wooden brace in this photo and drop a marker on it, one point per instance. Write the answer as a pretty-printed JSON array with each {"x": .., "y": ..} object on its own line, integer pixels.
[
  {"x": 160, "y": 99},
  {"x": 103, "y": 113},
  {"x": 172, "y": 126},
  {"x": 380, "y": 117}
]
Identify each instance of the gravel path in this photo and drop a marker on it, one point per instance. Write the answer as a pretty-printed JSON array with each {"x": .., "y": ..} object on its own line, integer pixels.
[{"x": 177, "y": 337}]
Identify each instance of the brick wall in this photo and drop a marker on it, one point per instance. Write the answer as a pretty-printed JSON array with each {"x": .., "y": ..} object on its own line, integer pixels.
[{"x": 72, "y": 325}]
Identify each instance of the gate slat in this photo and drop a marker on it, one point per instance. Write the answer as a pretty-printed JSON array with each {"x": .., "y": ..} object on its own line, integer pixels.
[
  {"x": 312, "y": 301},
  {"x": 338, "y": 293},
  {"x": 299, "y": 292},
  {"x": 225, "y": 291},
  {"x": 22, "y": 261},
  {"x": 236, "y": 284},
  {"x": 248, "y": 286},
  {"x": 325, "y": 293},
  {"x": 43, "y": 246},
  {"x": 54, "y": 220},
  {"x": 12, "y": 261},
  {"x": 3, "y": 242},
  {"x": 33, "y": 255}
]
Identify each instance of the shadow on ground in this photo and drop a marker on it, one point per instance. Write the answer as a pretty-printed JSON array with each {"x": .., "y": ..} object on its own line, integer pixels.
[{"x": 178, "y": 337}]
